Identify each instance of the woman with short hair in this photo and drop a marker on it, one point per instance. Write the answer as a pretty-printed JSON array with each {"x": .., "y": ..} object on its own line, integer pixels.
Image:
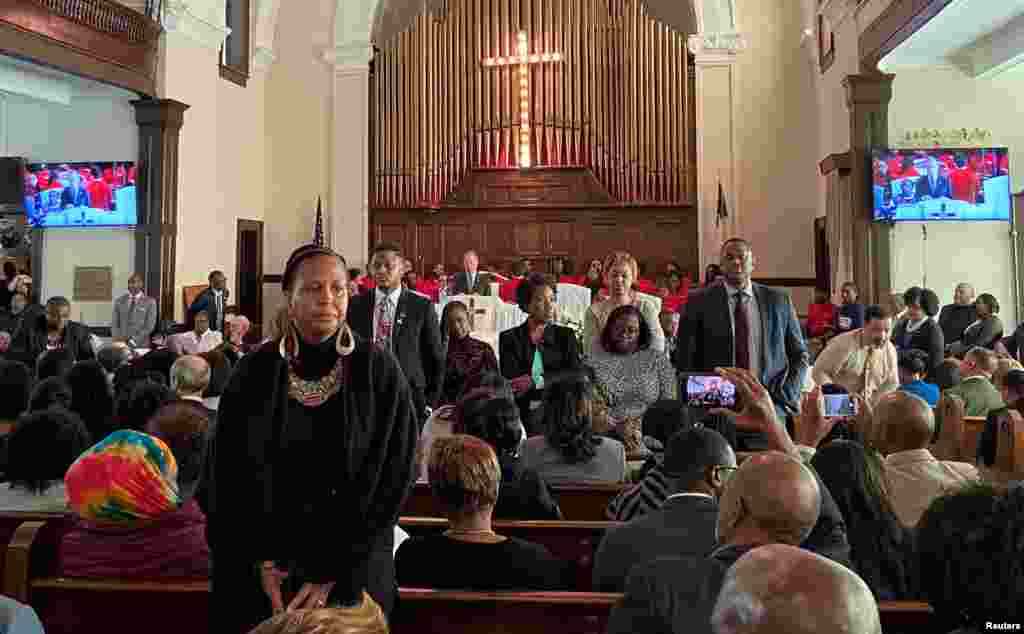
[
  {"x": 315, "y": 441},
  {"x": 621, "y": 271},
  {"x": 465, "y": 477},
  {"x": 913, "y": 368},
  {"x": 536, "y": 354},
  {"x": 633, "y": 374},
  {"x": 570, "y": 450},
  {"x": 917, "y": 330},
  {"x": 363, "y": 618}
]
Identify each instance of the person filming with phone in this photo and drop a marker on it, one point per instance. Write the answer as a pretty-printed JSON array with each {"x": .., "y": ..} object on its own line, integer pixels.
[{"x": 863, "y": 361}]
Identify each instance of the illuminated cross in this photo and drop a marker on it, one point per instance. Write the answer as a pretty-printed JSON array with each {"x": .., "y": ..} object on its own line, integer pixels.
[{"x": 524, "y": 59}]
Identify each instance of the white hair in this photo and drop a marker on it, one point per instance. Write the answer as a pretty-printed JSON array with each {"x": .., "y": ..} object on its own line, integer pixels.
[{"x": 190, "y": 375}]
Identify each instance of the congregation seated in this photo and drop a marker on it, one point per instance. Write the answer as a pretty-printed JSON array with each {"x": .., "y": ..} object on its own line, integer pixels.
[
  {"x": 198, "y": 340},
  {"x": 917, "y": 329},
  {"x": 92, "y": 398},
  {"x": 465, "y": 357},
  {"x": 133, "y": 520},
  {"x": 984, "y": 332},
  {"x": 570, "y": 450},
  {"x": 968, "y": 543},
  {"x": 41, "y": 448},
  {"x": 904, "y": 426},
  {"x": 697, "y": 465},
  {"x": 975, "y": 388},
  {"x": 771, "y": 499},
  {"x": 913, "y": 368},
  {"x": 51, "y": 331},
  {"x": 363, "y": 618},
  {"x": 632, "y": 373},
  {"x": 538, "y": 353},
  {"x": 779, "y": 588},
  {"x": 593, "y": 278},
  {"x": 621, "y": 271},
  {"x": 465, "y": 477},
  {"x": 523, "y": 494},
  {"x": 51, "y": 392},
  {"x": 881, "y": 548},
  {"x": 1003, "y": 367}
]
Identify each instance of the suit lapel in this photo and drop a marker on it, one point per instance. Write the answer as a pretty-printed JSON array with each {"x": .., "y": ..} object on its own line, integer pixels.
[
  {"x": 767, "y": 315},
  {"x": 400, "y": 308}
]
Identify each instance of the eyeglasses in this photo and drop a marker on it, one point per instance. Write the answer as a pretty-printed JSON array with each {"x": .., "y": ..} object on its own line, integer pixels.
[{"x": 725, "y": 473}]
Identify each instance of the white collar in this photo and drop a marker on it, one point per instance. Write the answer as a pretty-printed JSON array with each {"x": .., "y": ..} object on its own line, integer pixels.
[
  {"x": 974, "y": 376},
  {"x": 912, "y": 326},
  {"x": 216, "y": 292},
  {"x": 689, "y": 494},
  {"x": 747, "y": 290},
  {"x": 197, "y": 399},
  {"x": 392, "y": 295}
]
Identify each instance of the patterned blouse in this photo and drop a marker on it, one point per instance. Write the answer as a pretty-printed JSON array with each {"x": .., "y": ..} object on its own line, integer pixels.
[{"x": 633, "y": 381}]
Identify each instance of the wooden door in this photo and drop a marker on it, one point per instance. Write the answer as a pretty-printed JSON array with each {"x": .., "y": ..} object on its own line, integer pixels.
[
  {"x": 249, "y": 274},
  {"x": 822, "y": 261}
]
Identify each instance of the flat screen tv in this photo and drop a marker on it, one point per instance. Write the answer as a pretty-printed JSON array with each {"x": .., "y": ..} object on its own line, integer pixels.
[
  {"x": 80, "y": 195},
  {"x": 941, "y": 184}
]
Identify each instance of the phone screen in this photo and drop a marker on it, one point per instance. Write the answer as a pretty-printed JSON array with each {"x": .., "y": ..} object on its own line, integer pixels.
[
  {"x": 710, "y": 392},
  {"x": 837, "y": 405}
]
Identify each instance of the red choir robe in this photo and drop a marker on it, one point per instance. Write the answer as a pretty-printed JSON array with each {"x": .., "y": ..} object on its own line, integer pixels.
[
  {"x": 108, "y": 175},
  {"x": 819, "y": 318},
  {"x": 131, "y": 175},
  {"x": 645, "y": 286},
  {"x": 965, "y": 184},
  {"x": 507, "y": 290},
  {"x": 428, "y": 288},
  {"x": 99, "y": 195},
  {"x": 43, "y": 179}
]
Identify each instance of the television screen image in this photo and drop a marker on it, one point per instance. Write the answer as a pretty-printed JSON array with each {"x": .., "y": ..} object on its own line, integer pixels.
[
  {"x": 941, "y": 184},
  {"x": 80, "y": 194}
]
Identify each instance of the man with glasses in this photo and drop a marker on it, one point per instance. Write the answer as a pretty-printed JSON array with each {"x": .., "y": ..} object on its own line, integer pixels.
[{"x": 697, "y": 465}]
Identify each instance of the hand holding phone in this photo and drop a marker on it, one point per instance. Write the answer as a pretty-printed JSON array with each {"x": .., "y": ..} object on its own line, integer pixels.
[
  {"x": 839, "y": 406},
  {"x": 710, "y": 392}
]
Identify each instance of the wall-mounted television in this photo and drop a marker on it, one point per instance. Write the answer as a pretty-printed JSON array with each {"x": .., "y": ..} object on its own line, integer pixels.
[
  {"x": 941, "y": 184},
  {"x": 80, "y": 194}
]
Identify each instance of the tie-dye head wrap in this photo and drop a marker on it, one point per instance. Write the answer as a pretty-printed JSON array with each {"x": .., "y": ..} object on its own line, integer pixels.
[{"x": 128, "y": 478}]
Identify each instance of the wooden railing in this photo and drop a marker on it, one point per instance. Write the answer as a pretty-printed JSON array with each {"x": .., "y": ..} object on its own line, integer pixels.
[{"x": 106, "y": 16}]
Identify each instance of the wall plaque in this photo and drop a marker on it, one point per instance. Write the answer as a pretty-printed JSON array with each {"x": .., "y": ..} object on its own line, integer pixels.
[{"x": 94, "y": 284}]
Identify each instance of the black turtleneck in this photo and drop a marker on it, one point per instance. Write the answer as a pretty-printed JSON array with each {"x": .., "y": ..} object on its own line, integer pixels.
[{"x": 316, "y": 359}]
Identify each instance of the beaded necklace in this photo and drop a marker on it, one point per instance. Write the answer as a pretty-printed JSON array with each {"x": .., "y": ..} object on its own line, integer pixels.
[{"x": 316, "y": 392}]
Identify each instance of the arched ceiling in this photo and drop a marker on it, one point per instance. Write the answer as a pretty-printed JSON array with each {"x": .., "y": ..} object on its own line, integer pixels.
[{"x": 394, "y": 16}]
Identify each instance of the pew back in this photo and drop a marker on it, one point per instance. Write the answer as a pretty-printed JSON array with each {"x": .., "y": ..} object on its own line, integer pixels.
[{"x": 579, "y": 502}]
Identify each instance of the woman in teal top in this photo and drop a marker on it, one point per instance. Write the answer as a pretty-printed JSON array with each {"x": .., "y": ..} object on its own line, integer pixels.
[{"x": 537, "y": 353}]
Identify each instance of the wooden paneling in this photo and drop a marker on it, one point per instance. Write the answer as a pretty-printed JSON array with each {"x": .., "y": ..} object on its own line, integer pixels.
[
  {"x": 394, "y": 233},
  {"x": 654, "y": 235}
]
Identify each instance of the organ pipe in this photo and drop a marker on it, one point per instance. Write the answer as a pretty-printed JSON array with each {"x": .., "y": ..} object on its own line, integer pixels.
[{"x": 603, "y": 85}]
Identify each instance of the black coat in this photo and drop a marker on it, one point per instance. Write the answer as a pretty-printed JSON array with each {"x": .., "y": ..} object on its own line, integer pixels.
[
  {"x": 374, "y": 470},
  {"x": 559, "y": 351},
  {"x": 30, "y": 341},
  {"x": 928, "y": 337},
  {"x": 415, "y": 339},
  {"x": 206, "y": 301}
]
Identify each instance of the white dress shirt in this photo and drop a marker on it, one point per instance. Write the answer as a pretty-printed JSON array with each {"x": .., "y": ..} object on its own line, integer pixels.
[{"x": 191, "y": 343}]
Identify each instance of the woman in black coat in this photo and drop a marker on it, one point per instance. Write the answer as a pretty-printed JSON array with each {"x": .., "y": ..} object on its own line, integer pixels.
[
  {"x": 917, "y": 330},
  {"x": 537, "y": 353},
  {"x": 313, "y": 457}
]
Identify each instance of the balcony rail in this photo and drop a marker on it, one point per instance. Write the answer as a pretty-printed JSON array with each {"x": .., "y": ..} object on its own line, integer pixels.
[{"x": 111, "y": 17}]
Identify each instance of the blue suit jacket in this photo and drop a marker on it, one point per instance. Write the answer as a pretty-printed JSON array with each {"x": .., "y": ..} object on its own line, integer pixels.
[{"x": 705, "y": 341}]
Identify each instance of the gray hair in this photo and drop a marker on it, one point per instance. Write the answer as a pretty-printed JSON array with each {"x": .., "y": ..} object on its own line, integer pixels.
[{"x": 190, "y": 375}]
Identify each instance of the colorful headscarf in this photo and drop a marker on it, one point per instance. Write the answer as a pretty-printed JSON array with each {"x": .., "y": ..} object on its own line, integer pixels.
[{"x": 128, "y": 478}]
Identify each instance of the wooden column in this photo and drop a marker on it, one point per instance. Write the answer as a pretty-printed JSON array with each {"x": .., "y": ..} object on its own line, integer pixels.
[
  {"x": 159, "y": 122},
  {"x": 868, "y": 97}
]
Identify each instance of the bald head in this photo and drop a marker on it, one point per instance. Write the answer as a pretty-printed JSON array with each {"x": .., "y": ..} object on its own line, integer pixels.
[
  {"x": 190, "y": 375},
  {"x": 902, "y": 422},
  {"x": 780, "y": 589},
  {"x": 772, "y": 498}
]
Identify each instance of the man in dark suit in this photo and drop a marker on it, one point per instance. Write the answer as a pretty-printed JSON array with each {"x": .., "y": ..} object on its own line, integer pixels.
[
  {"x": 933, "y": 183},
  {"x": 771, "y": 499},
  {"x": 74, "y": 195},
  {"x": 471, "y": 281},
  {"x": 747, "y": 325},
  {"x": 213, "y": 301},
  {"x": 53, "y": 330},
  {"x": 404, "y": 323},
  {"x": 697, "y": 465}
]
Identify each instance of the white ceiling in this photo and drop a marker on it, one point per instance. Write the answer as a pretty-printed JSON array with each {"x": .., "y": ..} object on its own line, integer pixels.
[
  {"x": 49, "y": 84},
  {"x": 981, "y": 37}
]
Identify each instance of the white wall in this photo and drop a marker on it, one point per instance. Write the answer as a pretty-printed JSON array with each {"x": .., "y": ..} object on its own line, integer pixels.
[
  {"x": 90, "y": 128},
  {"x": 67, "y": 248},
  {"x": 960, "y": 252}
]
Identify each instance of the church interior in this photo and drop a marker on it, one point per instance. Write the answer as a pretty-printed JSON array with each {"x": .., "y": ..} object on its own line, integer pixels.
[{"x": 758, "y": 254}]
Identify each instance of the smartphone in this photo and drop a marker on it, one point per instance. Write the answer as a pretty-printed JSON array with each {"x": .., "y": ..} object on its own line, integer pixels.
[
  {"x": 839, "y": 405},
  {"x": 710, "y": 391}
]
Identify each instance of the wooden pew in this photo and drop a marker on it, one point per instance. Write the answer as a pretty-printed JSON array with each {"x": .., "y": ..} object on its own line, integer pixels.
[
  {"x": 11, "y": 520},
  {"x": 574, "y": 542},
  {"x": 579, "y": 502},
  {"x": 174, "y": 606}
]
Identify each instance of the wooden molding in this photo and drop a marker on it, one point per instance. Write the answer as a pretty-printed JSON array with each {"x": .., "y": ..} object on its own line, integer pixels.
[
  {"x": 541, "y": 187},
  {"x": 898, "y": 22},
  {"x": 98, "y": 39},
  {"x": 788, "y": 282},
  {"x": 833, "y": 162}
]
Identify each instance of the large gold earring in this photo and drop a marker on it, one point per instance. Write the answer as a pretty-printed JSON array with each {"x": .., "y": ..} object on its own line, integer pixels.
[{"x": 292, "y": 339}]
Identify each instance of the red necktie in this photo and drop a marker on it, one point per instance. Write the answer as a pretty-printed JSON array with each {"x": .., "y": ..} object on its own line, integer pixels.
[{"x": 742, "y": 331}]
